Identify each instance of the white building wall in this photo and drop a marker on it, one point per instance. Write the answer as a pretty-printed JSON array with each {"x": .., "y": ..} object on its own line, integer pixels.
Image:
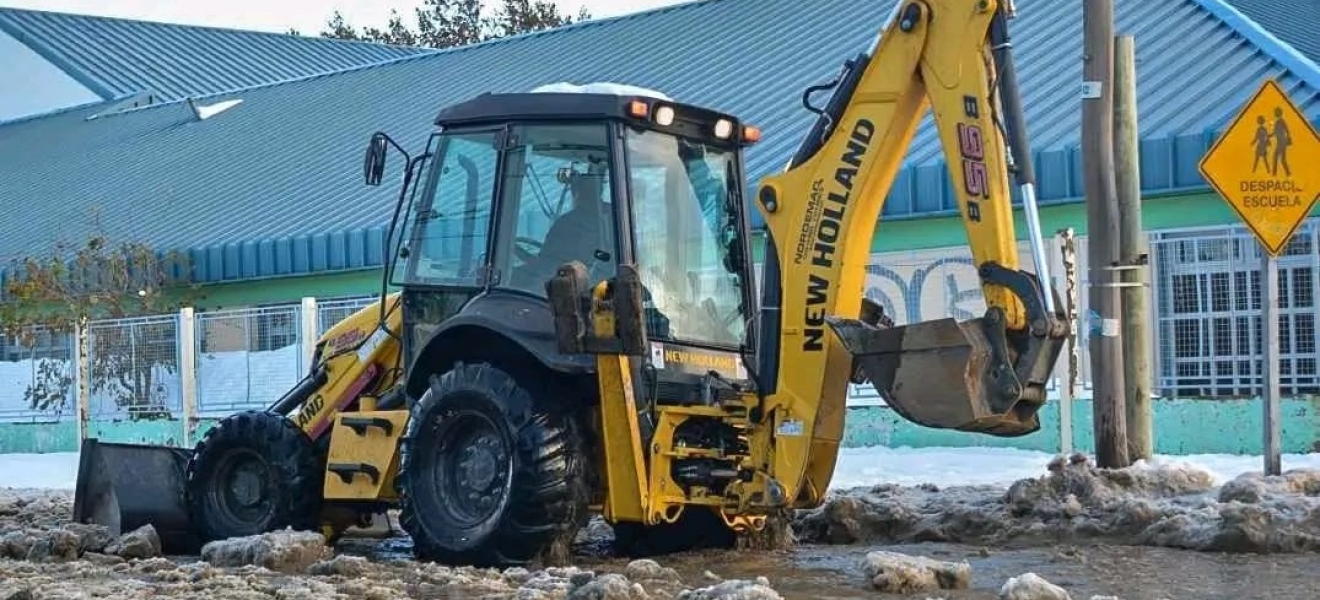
[{"x": 32, "y": 84}]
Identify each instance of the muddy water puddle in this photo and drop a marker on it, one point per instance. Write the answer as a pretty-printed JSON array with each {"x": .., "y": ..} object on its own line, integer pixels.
[
  {"x": 1131, "y": 573},
  {"x": 830, "y": 572},
  {"x": 826, "y": 572}
]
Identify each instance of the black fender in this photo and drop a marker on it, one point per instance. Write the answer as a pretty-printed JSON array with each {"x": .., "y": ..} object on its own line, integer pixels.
[{"x": 504, "y": 328}]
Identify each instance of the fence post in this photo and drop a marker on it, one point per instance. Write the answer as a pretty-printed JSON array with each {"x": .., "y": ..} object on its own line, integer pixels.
[
  {"x": 1067, "y": 368},
  {"x": 310, "y": 330},
  {"x": 82, "y": 375},
  {"x": 188, "y": 372},
  {"x": 1153, "y": 275}
]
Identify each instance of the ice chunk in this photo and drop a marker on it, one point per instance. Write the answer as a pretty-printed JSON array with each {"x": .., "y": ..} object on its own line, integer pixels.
[
  {"x": 1030, "y": 586},
  {"x": 599, "y": 87}
]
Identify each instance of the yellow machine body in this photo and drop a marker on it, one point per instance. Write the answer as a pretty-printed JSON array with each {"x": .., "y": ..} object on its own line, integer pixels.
[{"x": 561, "y": 381}]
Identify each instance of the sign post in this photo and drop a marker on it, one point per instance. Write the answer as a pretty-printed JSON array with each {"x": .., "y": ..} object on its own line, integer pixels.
[{"x": 1264, "y": 166}]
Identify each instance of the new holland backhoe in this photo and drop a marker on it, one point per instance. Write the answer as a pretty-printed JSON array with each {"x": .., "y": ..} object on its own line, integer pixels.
[{"x": 576, "y": 330}]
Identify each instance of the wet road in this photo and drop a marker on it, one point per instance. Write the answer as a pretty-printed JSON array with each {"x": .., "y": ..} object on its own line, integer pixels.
[
  {"x": 1131, "y": 573},
  {"x": 813, "y": 572}
]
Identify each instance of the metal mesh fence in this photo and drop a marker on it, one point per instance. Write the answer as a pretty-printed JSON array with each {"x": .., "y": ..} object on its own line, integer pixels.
[
  {"x": 37, "y": 377},
  {"x": 1209, "y": 313},
  {"x": 1205, "y": 297},
  {"x": 330, "y": 312},
  {"x": 246, "y": 358},
  {"x": 133, "y": 367}
]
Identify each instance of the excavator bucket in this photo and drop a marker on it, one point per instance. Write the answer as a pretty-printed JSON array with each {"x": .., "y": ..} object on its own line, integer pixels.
[
  {"x": 126, "y": 486},
  {"x": 944, "y": 374}
]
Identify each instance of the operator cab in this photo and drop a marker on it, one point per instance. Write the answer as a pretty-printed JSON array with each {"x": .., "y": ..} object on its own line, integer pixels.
[{"x": 517, "y": 185}]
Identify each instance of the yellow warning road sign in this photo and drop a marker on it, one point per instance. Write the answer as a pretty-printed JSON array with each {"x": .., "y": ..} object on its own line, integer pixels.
[{"x": 1265, "y": 166}]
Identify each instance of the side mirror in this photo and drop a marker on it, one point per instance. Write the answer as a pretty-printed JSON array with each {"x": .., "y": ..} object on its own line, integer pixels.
[{"x": 373, "y": 164}]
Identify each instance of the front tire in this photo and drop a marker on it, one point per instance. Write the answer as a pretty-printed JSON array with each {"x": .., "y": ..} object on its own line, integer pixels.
[
  {"x": 253, "y": 472},
  {"x": 490, "y": 474}
]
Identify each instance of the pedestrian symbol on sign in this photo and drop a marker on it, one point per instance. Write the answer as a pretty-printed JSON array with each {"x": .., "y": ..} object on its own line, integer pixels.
[
  {"x": 1281, "y": 143},
  {"x": 1251, "y": 167},
  {"x": 1280, "y": 140}
]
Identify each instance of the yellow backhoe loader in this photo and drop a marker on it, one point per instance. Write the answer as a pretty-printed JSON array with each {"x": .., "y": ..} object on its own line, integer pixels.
[{"x": 577, "y": 329}]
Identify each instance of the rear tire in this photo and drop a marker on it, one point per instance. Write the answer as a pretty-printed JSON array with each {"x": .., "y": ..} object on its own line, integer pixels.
[
  {"x": 490, "y": 474},
  {"x": 253, "y": 472}
]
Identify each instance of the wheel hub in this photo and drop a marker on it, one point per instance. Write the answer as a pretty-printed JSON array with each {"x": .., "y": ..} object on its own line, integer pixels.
[
  {"x": 244, "y": 491},
  {"x": 479, "y": 464},
  {"x": 247, "y": 489},
  {"x": 474, "y": 472}
]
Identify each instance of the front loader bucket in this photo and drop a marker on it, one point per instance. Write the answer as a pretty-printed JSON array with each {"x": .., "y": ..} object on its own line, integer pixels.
[
  {"x": 942, "y": 374},
  {"x": 126, "y": 486}
]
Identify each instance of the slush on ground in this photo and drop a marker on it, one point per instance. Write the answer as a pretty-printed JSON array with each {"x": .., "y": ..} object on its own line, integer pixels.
[{"x": 966, "y": 523}]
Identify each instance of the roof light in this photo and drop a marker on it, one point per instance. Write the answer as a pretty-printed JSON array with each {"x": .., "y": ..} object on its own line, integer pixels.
[
  {"x": 751, "y": 134},
  {"x": 664, "y": 116},
  {"x": 637, "y": 108},
  {"x": 723, "y": 128}
]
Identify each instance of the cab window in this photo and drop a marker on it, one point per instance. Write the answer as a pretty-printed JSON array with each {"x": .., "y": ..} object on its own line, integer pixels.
[
  {"x": 556, "y": 205},
  {"x": 449, "y": 227}
]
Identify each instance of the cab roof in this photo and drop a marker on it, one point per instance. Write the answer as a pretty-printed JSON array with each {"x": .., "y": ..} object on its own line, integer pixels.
[{"x": 496, "y": 108}]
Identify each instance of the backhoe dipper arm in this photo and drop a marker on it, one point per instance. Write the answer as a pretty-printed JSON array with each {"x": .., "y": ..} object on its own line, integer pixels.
[{"x": 986, "y": 375}]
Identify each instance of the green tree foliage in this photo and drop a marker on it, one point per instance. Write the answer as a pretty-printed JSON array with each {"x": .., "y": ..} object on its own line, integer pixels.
[
  {"x": 71, "y": 287},
  {"x": 449, "y": 23}
]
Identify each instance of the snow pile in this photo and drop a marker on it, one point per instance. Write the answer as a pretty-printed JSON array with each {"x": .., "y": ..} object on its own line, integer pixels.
[
  {"x": 34, "y": 508},
  {"x": 734, "y": 589},
  {"x": 351, "y": 578},
  {"x": 77, "y": 541},
  {"x": 49, "y": 471},
  {"x": 985, "y": 465},
  {"x": 895, "y": 573},
  {"x": 285, "y": 551},
  {"x": 600, "y": 87},
  {"x": 1031, "y": 586},
  {"x": 1160, "y": 504}
]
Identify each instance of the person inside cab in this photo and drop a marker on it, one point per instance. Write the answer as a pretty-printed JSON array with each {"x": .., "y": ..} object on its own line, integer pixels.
[
  {"x": 581, "y": 233},
  {"x": 577, "y": 234}
]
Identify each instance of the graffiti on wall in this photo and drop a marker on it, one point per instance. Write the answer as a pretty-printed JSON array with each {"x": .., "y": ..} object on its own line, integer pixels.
[
  {"x": 920, "y": 286},
  {"x": 938, "y": 289}
]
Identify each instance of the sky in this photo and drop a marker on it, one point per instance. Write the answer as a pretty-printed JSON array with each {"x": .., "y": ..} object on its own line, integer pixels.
[{"x": 307, "y": 16}]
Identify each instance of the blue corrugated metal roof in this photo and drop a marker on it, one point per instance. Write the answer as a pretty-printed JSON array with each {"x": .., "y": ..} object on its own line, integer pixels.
[
  {"x": 272, "y": 186},
  {"x": 1292, "y": 23},
  {"x": 113, "y": 56}
]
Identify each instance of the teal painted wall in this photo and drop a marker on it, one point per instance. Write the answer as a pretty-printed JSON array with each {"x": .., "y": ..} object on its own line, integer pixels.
[
  {"x": 1182, "y": 427},
  {"x": 40, "y": 438}
]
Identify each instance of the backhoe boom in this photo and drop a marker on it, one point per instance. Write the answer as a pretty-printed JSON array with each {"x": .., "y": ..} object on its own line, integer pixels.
[{"x": 986, "y": 375}]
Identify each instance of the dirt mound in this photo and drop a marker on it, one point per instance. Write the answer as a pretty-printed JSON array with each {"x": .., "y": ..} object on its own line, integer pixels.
[{"x": 1171, "y": 505}]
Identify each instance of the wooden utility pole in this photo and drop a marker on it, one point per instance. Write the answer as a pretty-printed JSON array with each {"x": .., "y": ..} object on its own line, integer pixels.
[
  {"x": 1133, "y": 251},
  {"x": 1104, "y": 333}
]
